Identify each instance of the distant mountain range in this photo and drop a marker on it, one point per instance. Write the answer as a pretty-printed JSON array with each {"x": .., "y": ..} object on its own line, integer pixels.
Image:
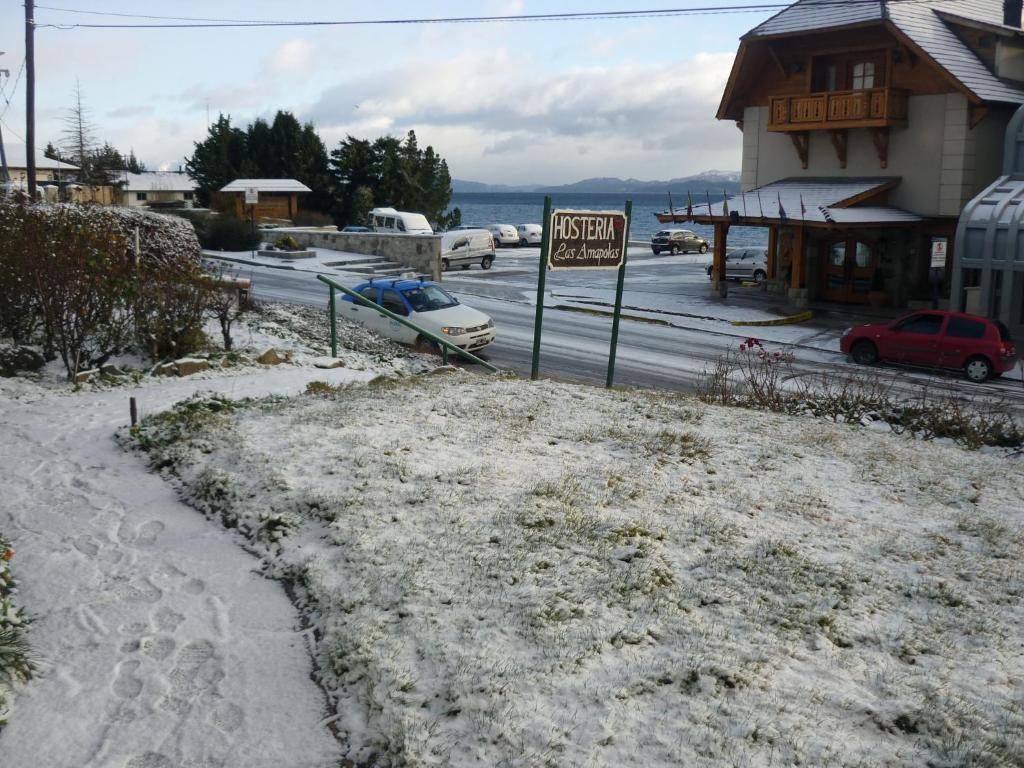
[{"x": 712, "y": 181}]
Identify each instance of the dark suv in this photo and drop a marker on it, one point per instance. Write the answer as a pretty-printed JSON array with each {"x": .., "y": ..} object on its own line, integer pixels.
[
  {"x": 980, "y": 347},
  {"x": 678, "y": 241}
]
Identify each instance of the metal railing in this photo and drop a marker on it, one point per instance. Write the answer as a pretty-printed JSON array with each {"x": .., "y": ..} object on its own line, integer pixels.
[{"x": 443, "y": 343}]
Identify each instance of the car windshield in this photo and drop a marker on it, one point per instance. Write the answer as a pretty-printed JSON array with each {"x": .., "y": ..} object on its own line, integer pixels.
[
  {"x": 426, "y": 298},
  {"x": 663, "y": 233}
]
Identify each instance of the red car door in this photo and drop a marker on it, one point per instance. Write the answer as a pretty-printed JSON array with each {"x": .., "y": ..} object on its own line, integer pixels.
[
  {"x": 916, "y": 339},
  {"x": 963, "y": 338}
]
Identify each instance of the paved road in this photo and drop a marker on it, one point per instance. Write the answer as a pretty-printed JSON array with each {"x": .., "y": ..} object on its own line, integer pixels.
[{"x": 575, "y": 345}]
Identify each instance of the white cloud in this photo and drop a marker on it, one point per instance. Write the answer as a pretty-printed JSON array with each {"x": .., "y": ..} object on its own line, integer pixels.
[
  {"x": 496, "y": 116},
  {"x": 295, "y": 57}
]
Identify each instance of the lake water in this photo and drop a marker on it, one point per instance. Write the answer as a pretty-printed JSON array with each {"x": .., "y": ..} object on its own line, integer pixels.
[{"x": 528, "y": 208}]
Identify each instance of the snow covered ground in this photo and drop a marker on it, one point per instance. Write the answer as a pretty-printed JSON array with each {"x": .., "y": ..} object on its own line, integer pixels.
[{"x": 507, "y": 573}]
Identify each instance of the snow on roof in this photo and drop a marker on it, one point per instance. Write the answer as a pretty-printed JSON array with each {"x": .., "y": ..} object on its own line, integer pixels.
[
  {"x": 158, "y": 181},
  {"x": 17, "y": 158},
  {"x": 920, "y": 21},
  {"x": 266, "y": 185},
  {"x": 818, "y": 201}
]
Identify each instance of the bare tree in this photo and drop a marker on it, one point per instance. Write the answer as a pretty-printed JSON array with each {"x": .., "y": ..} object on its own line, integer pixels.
[{"x": 79, "y": 136}]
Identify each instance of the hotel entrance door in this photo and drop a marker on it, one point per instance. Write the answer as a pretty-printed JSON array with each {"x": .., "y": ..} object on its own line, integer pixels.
[{"x": 849, "y": 270}]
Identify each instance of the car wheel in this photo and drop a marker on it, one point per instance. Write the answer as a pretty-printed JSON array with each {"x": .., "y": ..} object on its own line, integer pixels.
[
  {"x": 674, "y": 250},
  {"x": 445, "y": 265},
  {"x": 657, "y": 251},
  {"x": 760, "y": 276},
  {"x": 426, "y": 346},
  {"x": 864, "y": 352},
  {"x": 978, "y": 369},
  {"x": 523, "y": 243},
  {"x": 486, "y": 261},
  {"x": 703, "y": 247}
]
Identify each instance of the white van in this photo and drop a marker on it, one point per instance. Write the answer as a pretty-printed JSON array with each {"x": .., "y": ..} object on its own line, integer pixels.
[
  {"x": 390, "y": 220},
  {"x": 465, "y": 247}
]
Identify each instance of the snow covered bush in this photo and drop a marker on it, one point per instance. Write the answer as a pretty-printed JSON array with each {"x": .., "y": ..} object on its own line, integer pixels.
[
  {"x": 15, "y": 663},
  {"x": 90, "y": 280},
  {"x": 755, "y": 377}
]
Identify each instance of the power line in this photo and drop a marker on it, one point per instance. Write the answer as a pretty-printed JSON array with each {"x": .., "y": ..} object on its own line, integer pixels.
[
  {"x": 193, "y": 22},
  {"x": 14, "y": 90}
]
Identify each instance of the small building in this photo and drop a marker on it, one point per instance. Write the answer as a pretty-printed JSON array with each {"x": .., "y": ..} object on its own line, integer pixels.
[
  {"x": 988, "y": 258},
  {"x": 866, "y": 128},
  {"x": 46, "y": 169},
  {"x": 156, "y": 189},
  {"x": 278, "y": 199}
]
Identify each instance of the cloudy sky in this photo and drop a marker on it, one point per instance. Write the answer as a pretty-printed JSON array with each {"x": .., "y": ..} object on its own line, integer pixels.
[{"x": 516, "y": 102}]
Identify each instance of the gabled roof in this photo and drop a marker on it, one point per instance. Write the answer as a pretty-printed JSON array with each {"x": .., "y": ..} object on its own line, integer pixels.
[
  {"x": 266, "y": 185},
  {"x": 814, "y": 201},
  {"x": 16, "y": 158},
  {"x": 919, "y": 22}
]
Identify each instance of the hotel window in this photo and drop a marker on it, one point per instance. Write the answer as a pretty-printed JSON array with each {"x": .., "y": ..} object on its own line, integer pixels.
[
  {"x": 140, "y": 195},
  {"x": 863, "y": 75}
]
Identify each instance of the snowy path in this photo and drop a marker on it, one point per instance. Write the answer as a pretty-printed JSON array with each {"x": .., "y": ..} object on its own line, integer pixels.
[{"x": 160, "y": 643}]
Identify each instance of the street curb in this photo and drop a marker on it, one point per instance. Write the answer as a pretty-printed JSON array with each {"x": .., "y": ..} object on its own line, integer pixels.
[{"x": 803, "y": 317}]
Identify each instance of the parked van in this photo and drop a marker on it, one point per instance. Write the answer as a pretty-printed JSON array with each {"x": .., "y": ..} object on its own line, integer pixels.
[
  {"x": 463, "y": 248},
  {"x": 399, "y": 222}
]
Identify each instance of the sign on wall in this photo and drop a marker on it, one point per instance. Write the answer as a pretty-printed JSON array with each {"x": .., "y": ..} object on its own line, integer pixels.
[
  {"x": 252, "y": 195},
  {"x": 939, "y": 246},
  {"x": 587, "y": 239}
]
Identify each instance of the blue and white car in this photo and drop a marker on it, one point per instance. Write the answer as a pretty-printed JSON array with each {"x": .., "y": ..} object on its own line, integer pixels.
[{"x": 424, "y": 303}]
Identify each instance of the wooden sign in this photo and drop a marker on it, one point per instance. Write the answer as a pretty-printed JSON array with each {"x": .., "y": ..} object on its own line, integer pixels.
[{"x": 587, "y": 239}]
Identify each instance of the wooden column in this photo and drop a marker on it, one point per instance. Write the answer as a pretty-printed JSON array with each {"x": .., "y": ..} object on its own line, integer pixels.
[
  {"x": 799, "y": 269},
  {"x": 719, "y": 287},
  {"x": 773, "y": 255}
]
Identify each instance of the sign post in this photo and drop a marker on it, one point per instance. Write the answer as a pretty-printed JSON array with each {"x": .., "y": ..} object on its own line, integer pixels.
[
  {"x": 582, "y": 240},
  {"x": 618, "y": 299},
  {"x": 937, "y": 269},
  {"x": 545, "y": 246},
  {"x": 252, "y": 198}
]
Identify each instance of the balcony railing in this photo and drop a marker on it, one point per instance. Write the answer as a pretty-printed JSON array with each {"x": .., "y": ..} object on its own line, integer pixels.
[{"x": 834, "y": 110}]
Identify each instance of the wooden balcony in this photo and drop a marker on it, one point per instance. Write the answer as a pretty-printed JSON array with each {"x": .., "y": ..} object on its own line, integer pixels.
[{"x": 838, "y": 110}]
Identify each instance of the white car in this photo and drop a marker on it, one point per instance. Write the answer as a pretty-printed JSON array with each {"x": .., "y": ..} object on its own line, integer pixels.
[
  {"x": 503, "y": 234},
  {"x": 529, "y": 234},
  {"x": 424, "y": 303}
]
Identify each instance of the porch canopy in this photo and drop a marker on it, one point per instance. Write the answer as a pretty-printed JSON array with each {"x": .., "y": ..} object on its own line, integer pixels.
[{"x": 796, "y": 203}]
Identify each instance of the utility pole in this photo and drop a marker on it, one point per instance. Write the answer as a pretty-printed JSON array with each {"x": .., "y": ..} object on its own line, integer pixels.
[
  {"x": 30, "y": 97},
  {"x": 5, "y": 175}
]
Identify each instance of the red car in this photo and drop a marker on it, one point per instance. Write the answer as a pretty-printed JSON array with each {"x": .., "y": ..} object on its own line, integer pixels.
[{"x": 980, "y": 347}]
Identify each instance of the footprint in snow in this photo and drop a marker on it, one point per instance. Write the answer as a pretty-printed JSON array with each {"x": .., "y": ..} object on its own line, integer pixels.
[
  {"x": 167, "y": 620},
  {"x": 143, "y": 535},
  {"x": 87, "y": 545},
  {"x": 227, "y": 717},
  {"x": 126, "y": 685},
  {"x": 196, "y": 671},
  {"x": 149, "y": 760}
]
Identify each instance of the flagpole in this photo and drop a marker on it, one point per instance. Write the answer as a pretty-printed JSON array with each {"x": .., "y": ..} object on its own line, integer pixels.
[{"x": 760, "y": 205}]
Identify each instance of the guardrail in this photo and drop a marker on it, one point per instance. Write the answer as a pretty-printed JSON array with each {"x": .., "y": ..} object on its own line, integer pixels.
[{"x": 443, "y": 343}]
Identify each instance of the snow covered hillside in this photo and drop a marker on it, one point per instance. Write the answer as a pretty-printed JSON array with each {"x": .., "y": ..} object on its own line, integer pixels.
[{"x": 507, "y": 573}]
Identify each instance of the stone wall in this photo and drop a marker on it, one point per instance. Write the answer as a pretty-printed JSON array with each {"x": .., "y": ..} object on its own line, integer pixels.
[{"x": 421, "y": 253}]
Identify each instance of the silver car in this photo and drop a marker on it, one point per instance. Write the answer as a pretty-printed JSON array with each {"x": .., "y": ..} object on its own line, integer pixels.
[{"x": 745, "y": 264}]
